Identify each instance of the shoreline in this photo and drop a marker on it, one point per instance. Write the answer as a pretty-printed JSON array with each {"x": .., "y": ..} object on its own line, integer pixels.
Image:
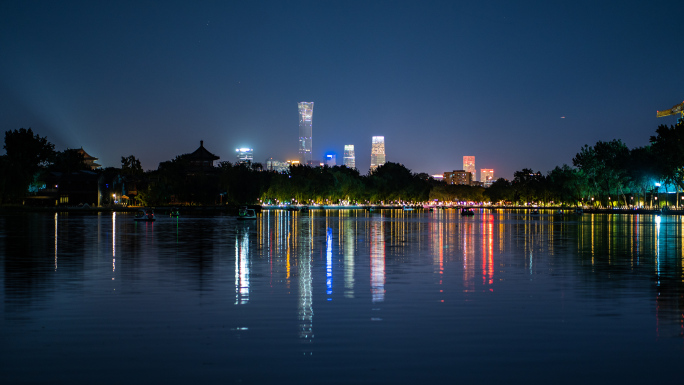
[{"x": 233, "y": 209}]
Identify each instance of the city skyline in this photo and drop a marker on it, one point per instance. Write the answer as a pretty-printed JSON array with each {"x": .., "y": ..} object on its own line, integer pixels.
[{"x": 518, "y": 85}]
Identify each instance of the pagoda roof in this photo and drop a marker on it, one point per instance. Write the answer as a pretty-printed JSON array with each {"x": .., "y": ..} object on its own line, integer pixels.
[
  {"x": 86, "y": 156},
  {"x": 202, "y": 154}
]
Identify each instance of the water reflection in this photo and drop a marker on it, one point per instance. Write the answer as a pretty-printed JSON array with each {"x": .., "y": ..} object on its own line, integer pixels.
[
  {"x": 377, "y": 261},
  {"x": 622, "y": 273},
  {"x": 242, "y": 265}
]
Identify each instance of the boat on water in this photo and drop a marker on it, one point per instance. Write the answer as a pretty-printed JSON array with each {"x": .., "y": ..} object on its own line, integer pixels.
[
  {"x": 579, "y": 211},
  {"x": 174, "y": 213},
  {"x": 304, "y": 210},
  {"x": 407, "y": 208},
  {"x": 534, "y": 212},
  {"x": 244, "y": 214},
  {"x": 146, "y": 215},
  {"x": 467, "y": 212}
]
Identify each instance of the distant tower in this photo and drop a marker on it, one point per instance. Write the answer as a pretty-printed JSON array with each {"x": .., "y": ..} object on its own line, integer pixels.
[
  {"x": 469, "y": 165},
  {"x": 245, "y": 155},
  {"x": 487, "y": 176},
  {"x": 349, "y": 157},
  {"x": 331, "y": 160},
  {"x": 305, "y": 116},
  {"x": 377, "y": 152}
]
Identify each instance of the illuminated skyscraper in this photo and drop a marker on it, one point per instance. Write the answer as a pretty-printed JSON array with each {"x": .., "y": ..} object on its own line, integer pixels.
[
  {"x": 305, "y": 145},
  {"x": 245, "y": 155},
  {"x": 487, "y": 176},
  {"x": 377, "y": 152},
  {"x": 349, "y": 157},
  {"x": 469, "y": 165},
  {"x": 331, "y": 160}
]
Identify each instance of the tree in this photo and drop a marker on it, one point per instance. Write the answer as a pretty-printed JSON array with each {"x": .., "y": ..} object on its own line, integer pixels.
[
  {"x": 668, "y": 148},
  {"x": 27, "y": 154},
  {"x": 604, "y": 164},
  {"x": 67, "y": 161},
  {"x": 130, "y": 165}
]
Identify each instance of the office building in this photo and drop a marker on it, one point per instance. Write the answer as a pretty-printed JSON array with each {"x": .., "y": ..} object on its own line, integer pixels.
[
  {"x": 469, "y": 165},
  {"x": 331, "y": 160},
  {"x": 305, "y": 132},
  {"x": 458, "y": 177},
  {"x": 377, "y": 152},
  {"x": 349, "y": 157},
  {"x": 487, "y": 176},
  {"x": 277, "y": 165},
  {"x": 244, "y": 155}
]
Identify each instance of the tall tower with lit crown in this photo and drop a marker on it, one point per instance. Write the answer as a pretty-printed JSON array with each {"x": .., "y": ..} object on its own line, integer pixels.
[
  {"x": 377, "y": 152},
  {"x": 305, "y": 132}
]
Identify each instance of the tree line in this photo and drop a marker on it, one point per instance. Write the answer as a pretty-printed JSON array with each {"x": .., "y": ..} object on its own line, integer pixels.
[{"x": 605, "y": 174}]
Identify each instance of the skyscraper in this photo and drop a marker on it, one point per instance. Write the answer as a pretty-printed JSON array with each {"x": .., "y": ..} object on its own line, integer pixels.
[
  {"x": 349, "y": 157},
  {"x": 487, "y": 176},
  {"x": 377, "y": 152},
  {"x": 469, "y": 165},
  {"x": 331, "y": 160},
  {"x": 244, "y": 155},
  {"x": 305, "y": 145}
]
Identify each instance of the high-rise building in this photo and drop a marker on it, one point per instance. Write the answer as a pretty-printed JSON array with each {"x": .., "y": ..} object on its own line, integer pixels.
[
  {"x": 487, "y": 176},
  {"x": 277, "y": 165},
  {"x": 331, "y": 160},
  {"x": 458, "y": 177},
  {"x": 305, "y": 132},
  {"x": 377, "y": 152},
  {"x": 349, "y": 157},
  {"x": 469, "y": 165},
  {"x": 245, "y": 155}
]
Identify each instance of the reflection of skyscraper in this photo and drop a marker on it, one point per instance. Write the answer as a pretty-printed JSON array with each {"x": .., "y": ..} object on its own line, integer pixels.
[
  {"x": 242, "y": 268},
  {"x": 377, "y": 237},
  {"x": 305, "y": 132},
  {"x": 469, "y": 165},
  {"x": 349, "y": 157},
  {"x": 377, "y": 152}
]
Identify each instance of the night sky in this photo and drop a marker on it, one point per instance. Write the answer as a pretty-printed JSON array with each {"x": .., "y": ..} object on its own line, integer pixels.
[{"x": 439, "y": 80}]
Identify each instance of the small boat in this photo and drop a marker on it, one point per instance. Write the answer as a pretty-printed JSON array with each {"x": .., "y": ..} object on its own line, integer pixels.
[
  {"x": 304, "y": 210},
  {"x": 145, "y": 216},
  {"x": 534, "y": 212},
  {"x": 174, "y": 213},
  {"x": 579, "y": 211},
  {"x": 466, "y": 212},
  {"x": 558, "y": 213},
  {"x": 407, "y": 208},
  {"x": 244, "y": 214}
]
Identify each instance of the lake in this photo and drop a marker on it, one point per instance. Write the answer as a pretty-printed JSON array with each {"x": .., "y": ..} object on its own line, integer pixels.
[{"x": 341, "y": 297}]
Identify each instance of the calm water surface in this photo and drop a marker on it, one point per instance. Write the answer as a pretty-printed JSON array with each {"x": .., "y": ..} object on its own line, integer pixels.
[{"x": 341, "y": 297}]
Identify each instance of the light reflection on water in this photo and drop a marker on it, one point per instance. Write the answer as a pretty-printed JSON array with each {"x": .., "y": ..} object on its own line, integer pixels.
[{"x": 356, "y": 292}]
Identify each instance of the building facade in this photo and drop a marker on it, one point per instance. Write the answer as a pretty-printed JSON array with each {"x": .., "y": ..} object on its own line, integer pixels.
[
  {"x": 305, "y": 131},
  {"x": 377, "y": 152},
  {"x": 244, "y": 155},
  {"x": 458, "y": 177},
  {"x": 331, "y": 160},
  {"x": 487, "y": 176},
  {"x": 277, "y": 165},
  {"x": 469, "y": 165},
  {"x": 349, "y": 157}
]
